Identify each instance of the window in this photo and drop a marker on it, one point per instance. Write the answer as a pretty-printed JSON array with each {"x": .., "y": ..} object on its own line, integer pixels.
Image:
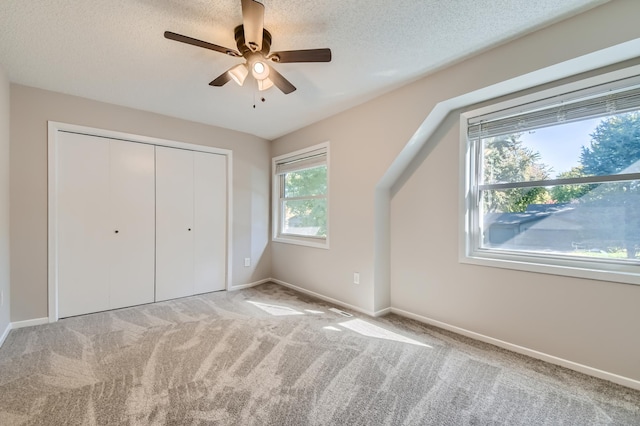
[
  {"x": 300, "y": 188},
  {"x": 553, "y": 185}
]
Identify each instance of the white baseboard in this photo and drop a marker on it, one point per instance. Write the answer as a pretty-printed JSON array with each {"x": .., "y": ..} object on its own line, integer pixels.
[
  {"x": 29, "y": 323},
  {"x": 20, "y": 324},
  {"x": 382, "y": 312},
  {"x": 5, "y": 333},
  {"x": 325, "y": 298},
  {"x": 242, "y": 286},
  {"x": 621, "y": 380}
]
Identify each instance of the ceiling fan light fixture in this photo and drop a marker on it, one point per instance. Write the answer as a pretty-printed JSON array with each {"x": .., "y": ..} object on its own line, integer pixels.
[
  {"x": 254, "y": 45},
  {"x": 265, "y": 84},
  {"x": 260, "y": 70},
  {"x": 239, "y": 73}
]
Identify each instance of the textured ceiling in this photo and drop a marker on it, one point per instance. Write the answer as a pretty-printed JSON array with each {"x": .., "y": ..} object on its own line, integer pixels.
[{"x": 114, "y": 51}]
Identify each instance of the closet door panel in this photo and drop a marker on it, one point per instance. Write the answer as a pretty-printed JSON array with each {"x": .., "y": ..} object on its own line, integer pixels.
[
  {"x": 132, "y": 236},
  {"x": 210, "y": 220},
  {"x": 83, "y": 224},
  {"x": 174, "y": 223}
]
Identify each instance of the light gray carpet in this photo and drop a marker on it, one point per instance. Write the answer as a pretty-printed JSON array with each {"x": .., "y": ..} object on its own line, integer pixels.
[{"x": 271, "y": 356}]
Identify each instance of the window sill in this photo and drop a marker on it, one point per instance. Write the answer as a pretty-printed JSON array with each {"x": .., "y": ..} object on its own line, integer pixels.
[
  {"x": 585, "y": 269},
  {"x": 302, "y": 241}
]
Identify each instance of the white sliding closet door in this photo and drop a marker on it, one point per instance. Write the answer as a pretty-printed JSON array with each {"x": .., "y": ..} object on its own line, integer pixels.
[
  {"x": 174, "y": 223},
  {"x": 210, "y": 221},
  {"x": 133, "y": 217},
  {"x": 105, "y": 212}
]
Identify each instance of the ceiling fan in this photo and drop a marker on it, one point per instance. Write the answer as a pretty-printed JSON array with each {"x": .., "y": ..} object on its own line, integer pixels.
[{"x": 254, "y": 44}]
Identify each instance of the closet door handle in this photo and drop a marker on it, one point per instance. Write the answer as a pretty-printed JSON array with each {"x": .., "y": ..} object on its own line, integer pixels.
[
  {"x": 117, "y": 231},
  {"x": 189, "y": 229}
]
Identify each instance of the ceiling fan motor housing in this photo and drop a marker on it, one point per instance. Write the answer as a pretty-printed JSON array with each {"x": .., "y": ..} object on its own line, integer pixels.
[{"x": 245, "y": 50}]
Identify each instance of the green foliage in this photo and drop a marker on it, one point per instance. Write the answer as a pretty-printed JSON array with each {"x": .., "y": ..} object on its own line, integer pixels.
[
  {"x": 507, "y": 160},
  {"x": 520, "y": 199},
  {"x": 614, "y": 147},
  {"x": 308, "y": 182},
  {"x": 307, "y": 212},
  {"x": 573, "y": 192}
]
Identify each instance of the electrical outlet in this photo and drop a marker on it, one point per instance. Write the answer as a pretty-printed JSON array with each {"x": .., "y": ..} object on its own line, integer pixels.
[
  {"x": 247, "y": 261},
  {"x": 356, "y": 278}
]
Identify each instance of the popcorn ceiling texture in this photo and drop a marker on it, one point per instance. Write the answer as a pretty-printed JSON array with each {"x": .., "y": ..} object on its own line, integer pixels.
[{"x": 114, "y": 51}]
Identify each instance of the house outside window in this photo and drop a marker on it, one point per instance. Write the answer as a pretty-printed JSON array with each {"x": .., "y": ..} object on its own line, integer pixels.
[
  {"x": 301, "y": 197},
  {"x": 553, "y": 184}
]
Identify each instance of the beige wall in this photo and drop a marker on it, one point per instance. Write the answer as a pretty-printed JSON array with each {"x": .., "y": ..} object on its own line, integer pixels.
[
  {"x": 32, "y": 108},
  {"x": 360, "y": 152},
  {"x": 4, "y": 201},
  {"x": 589, "y": 322}
]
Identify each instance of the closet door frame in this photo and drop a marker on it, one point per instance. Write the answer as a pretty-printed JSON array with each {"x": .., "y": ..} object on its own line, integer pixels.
[{"x": 54, "y": 128}]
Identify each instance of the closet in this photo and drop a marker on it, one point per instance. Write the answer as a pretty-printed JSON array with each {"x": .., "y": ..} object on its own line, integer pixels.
[{"x": 136, "y": 223}]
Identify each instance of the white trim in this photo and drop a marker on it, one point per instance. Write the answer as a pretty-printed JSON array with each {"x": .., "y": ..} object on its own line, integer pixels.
[
  {"x": 325, "y": 298},
  {"x": 382, "y": 312},
  {"x": 576, "y": 268},
  {"x": 229, "y": 218},
  {"x": 52, "y": 140},
  {"x": 29, "y": 323},
  {"x": 322, "y": 243},
  {"x": 4, "y": 335},
  {"x": 300, "y": 152},
  {"x": 52, "y": 228},
  {"x": 585, "y": 369},
  {"x": 130, "y": 137},
  {"x": 249, "y": 285}
]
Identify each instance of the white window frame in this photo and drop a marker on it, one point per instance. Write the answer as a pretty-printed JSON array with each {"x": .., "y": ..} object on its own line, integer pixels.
[
  {"x": 277, "y": 199},
  {"x": 469, "y": 242}
]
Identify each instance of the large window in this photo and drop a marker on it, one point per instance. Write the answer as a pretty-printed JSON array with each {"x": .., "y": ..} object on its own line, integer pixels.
[
  {"x": 556, "y": 183},
  {"x": 301, "y": 197}
]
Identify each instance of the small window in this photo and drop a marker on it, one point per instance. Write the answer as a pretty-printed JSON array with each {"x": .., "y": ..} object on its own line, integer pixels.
[
  {"x": 301, "y": 181},
  {"x": 556, "y": 183}
]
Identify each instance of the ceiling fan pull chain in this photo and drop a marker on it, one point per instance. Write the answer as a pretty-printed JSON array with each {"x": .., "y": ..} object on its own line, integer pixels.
[{"x": 262, "y": 99}]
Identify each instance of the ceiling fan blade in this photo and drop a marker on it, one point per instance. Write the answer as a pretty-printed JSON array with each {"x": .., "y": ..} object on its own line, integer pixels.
[
  {"x": 223, "y": 79},
  {"x": 253, "y": 23},
  {"x": 309, "y": 55},
  {"x": 199, "y": 43},
  {"x": 280, "y": 82}
]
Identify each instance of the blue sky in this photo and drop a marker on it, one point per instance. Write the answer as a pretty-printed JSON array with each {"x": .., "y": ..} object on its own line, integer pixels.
[{"x": 559, "y": 146}]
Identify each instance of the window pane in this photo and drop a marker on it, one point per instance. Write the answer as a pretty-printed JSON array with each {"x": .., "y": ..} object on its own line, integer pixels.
[
  {"x": 304, "y": 183},
  {"x": 305, "y": 217},
  {"x": 597, "y": 220},
  {"x": 594, "y": 147},
  {"x": 514, "y": 200},
  {"x": 507, "y": 159}
]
